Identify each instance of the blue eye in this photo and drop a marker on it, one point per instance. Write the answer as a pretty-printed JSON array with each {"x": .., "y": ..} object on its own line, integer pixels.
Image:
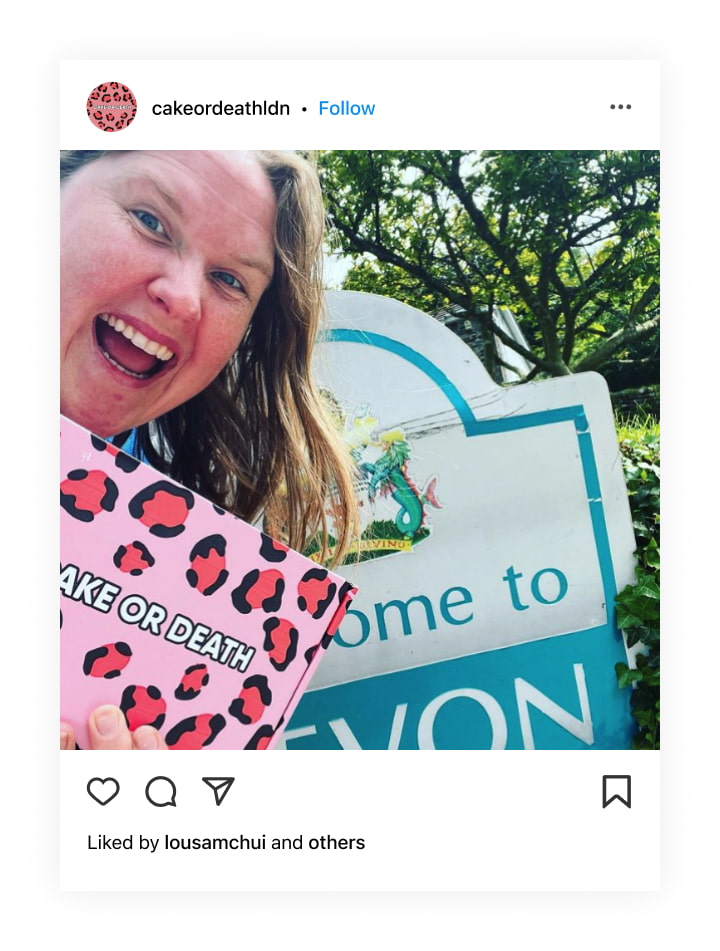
[
  {"x": 228, "y": 279},
  {"x": 150, "y": 221}
]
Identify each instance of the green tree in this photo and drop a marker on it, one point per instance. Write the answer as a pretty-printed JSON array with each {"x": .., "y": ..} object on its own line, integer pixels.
[{"x": 567, "y": 240}]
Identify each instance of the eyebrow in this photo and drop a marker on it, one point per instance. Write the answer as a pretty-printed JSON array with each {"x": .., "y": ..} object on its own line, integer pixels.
[
  {"x": 255, "y": 263},
  {"x": 164, "y": 194}
]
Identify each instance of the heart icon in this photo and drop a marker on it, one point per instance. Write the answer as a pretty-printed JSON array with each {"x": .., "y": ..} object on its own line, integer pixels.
[{"x": 103, "y": 790}]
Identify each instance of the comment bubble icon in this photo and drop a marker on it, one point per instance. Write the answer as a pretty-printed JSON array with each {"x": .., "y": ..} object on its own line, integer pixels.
[{"x": 161, "y": 791}]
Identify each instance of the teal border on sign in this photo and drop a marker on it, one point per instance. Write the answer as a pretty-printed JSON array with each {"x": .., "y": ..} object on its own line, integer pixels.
[
  {"x": 377, "y": 696},
  {"x": 483, "y": 427}
]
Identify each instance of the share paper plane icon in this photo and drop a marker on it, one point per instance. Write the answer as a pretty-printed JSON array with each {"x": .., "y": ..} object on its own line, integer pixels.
[{"x": 220, "y": 786}]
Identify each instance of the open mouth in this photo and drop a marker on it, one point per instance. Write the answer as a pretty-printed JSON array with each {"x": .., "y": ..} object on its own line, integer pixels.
[{"x": 128, "y": 350}]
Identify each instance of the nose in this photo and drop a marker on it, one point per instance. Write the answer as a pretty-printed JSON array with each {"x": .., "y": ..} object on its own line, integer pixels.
[{"x": 178, "y": 289}]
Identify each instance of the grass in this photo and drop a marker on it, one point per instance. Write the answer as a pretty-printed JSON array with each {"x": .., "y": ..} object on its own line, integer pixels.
[{"x": 637, "y": 427}]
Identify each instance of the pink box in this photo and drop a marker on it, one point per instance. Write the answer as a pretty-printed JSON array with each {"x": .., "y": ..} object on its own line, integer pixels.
[{"x": 181, "y": 614}]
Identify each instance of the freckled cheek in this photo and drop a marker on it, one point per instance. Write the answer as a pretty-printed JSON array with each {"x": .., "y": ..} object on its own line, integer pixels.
[
  {"x": 96, "y": 279},
  {"x": 221, "y": 338},
  {"x": 212, "y": 360},
  {"x": 213, "y": 351}
]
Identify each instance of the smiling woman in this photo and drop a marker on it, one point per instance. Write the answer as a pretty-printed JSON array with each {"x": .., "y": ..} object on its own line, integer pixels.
[
  {"x": 191, "y": 296},
  {"x": 163, "y": 253}
]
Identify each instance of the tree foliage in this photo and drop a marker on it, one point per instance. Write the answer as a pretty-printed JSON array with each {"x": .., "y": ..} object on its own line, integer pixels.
[{"x": 567, "y": 239}]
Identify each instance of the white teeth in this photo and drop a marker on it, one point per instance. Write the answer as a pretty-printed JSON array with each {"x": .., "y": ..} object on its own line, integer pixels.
[{"x": 151, "y": 347}]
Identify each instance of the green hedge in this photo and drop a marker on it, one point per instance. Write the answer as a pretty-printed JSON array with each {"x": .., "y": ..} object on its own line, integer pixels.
[{"x": 638, "y": 605}]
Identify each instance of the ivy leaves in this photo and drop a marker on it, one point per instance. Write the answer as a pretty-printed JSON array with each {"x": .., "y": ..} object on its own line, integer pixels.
[{"x": 638, "y": 605}]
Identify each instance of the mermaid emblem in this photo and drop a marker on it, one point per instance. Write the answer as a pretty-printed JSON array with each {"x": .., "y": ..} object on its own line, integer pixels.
[
  {"x": 389, "y": 475},
  {"x": 394, "y": 510}
]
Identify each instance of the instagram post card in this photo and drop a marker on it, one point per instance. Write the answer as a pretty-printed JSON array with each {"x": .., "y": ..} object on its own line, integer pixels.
[{"x": 359, "y": 447}]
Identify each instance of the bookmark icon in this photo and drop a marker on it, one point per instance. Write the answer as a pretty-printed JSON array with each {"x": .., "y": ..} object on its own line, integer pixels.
[
  {"x": 617, "y": 788},
  {"x": 220, "y": 786}
]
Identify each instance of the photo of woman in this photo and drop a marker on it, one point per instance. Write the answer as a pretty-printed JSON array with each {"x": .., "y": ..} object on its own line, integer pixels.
[{"x": 191, "y": 297}]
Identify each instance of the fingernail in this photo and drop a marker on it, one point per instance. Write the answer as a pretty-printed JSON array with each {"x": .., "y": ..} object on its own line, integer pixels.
[
  {"x": 64, "y": 738},
  {"x": 108, "y": 722},
  {"x": 146, "y": 738}
]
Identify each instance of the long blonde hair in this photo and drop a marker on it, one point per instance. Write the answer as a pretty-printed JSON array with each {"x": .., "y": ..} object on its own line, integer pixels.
[{"x": 259, "y": 439}]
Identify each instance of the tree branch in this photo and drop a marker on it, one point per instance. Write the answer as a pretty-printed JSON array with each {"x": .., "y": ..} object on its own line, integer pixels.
[{"x": 618, "y": 340}]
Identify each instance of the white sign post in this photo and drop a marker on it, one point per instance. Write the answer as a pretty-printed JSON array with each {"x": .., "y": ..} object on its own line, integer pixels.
[{"x": 496, "y": 534}]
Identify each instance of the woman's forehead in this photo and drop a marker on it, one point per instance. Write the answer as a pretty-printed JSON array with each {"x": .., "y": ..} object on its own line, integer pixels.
[
  {"x": 192, "y": 177},
  {"x": 225, "y": 193},
  {"x": 216, "y": 171}
]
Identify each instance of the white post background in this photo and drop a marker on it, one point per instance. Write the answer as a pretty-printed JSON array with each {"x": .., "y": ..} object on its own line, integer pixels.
[{"x": 685, "y": 910}]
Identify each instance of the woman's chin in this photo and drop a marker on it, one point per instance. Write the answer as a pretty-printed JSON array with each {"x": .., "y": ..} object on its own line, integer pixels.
[{"x": 97, "y": 421}]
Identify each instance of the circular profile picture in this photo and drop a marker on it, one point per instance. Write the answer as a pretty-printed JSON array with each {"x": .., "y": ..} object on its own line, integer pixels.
[{"x": 111, "y": 107}]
